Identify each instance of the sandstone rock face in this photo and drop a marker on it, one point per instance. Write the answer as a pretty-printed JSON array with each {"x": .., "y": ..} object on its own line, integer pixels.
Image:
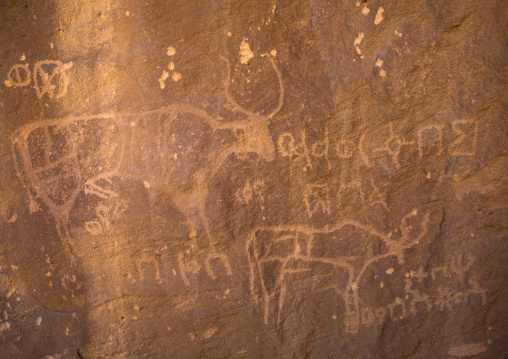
[{"x": 253, "y": 179}]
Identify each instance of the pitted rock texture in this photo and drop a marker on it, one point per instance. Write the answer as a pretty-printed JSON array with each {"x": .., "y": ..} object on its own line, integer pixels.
[{"x": 253, "y": 179}]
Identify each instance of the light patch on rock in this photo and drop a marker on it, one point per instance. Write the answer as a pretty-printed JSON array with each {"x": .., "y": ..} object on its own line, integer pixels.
[
  {"x": 229, "y": 34},
  {"x": 209, "y": 333},
  {"x": 4, "y": 326},
  {"x": 382, "y": 73},
  {"x": 127, "y": 13},
  {"x": 146, "y": 184},
  {"x": 176, "y": 76},
  {"x": 38, "y": 321},
  {"x": 379, "y": 63},
  {"x": 379, "y": 16},
  {"x": 466, "y": 350},
  {"x": 390, "y": 271},
  {"x": 273, "y": 53},
  {"x": 365, "y": 11},
  {"x": 171, "y": 66},
  {"x": 245, "y": 53},
  {"x": 32, "y": 206},
  {"x": 13, "y": 218},
  {"x": 163, "y": 78},
  {"x": 357, "y": 43},
  {"x": 171, "y": 51},
  {"x": 9, "y": 293},
  {"x": 22, "y": 58}
]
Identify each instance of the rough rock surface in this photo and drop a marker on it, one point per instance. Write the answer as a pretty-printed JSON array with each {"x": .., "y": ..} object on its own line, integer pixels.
[{"x": 253, "y": 179}]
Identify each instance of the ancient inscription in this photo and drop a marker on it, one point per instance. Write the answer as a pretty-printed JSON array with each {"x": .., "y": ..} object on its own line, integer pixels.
[
  {"x": 250, "y": 191},
  {"x": 466, "y": 136},
  {"x": 428, "y": 141},
  {"x": 317, "y": 198},
  {"x": 19, "y": 75},
  {"x": 393, "y": 146},
  {"x": 50, "y": 77}
]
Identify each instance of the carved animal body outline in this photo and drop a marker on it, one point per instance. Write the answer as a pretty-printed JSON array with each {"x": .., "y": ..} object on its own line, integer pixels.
[
  {"x": 300, "y": 256},
  {"x": 119, "y": 130}
]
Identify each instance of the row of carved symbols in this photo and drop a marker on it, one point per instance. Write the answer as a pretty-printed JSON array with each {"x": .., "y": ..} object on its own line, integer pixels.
[
  {"x": 187, "y": 263},
  {"x": 288, "y": 146},
  {"x": 438, "y": 295},
  {"x": 428, "y": 138},
  {"x": 317, "y": 197},
  {"x": 49, "y": 77}
]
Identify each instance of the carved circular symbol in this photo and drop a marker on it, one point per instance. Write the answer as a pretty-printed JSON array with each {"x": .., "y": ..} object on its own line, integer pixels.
[{"x": 18, "y": 76}]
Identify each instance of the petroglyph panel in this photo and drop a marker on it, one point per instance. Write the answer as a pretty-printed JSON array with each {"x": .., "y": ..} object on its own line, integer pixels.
[{"x": 318, "y": 179}]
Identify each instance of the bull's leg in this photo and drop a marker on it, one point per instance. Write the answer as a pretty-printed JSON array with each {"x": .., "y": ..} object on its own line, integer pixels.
[
  {"x": 212, "y": 254},
  {"x": 62, "y": 228},
  {"x": 352, "y": 314}
]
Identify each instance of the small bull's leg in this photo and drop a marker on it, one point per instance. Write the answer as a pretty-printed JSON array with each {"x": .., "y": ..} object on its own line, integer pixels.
[
  {"x": 212, "y": 254},
  {"x": 62, "y": 229}
]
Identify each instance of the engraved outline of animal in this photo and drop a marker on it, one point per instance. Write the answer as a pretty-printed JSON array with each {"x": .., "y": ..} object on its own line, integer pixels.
[
  {"x": 296, "y": 254},
  {"x": 256, "y": 139}
]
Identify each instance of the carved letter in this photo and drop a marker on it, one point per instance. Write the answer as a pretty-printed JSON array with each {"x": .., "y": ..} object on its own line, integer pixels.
[
  {"x": 19, "y": 75},
  {"x": 45, "y": 72},
  {"x": 465, "y": 143},
  {"x": 317, "y": 196}
]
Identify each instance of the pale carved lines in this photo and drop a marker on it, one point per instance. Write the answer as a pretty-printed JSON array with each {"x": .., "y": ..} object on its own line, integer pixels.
[
  {"x": 147, "y": 255},
  {"x": 122, "y": 158},
  {"x": 393, "y": 146},
  {"x": 325, "y": 148},
  {"x": 355, "y": 193},
  {"x": 293, "y": 250},
  {"x": 316, "y": 197},
  {"x": 463, "y": 139},
  {"x": 49, "y": 76},
  {"x": 44, "y": 73},
  {"x": 18, "y": 76},
  {"x": 430, "y": 140},
  {"x": 105, "y": 214},
  {"x": 249, "y": 191},
  {"x": 421, "y": 138}
]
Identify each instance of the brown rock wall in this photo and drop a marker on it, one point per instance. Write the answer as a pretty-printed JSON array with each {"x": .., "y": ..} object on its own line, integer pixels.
[{"x": 253, "y": 179}]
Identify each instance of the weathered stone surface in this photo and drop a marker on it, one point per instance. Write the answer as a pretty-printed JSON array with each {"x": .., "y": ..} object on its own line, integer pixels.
[{"x": 253, "y": 179}]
